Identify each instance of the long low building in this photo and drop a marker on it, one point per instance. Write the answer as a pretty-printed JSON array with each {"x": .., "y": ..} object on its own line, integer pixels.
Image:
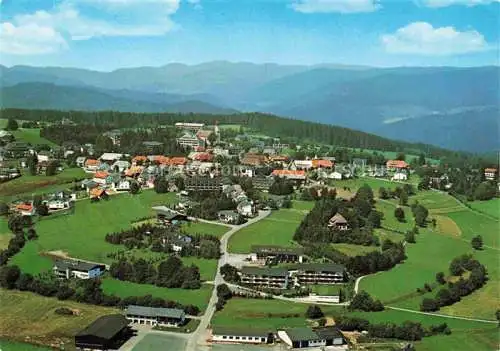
[
  {"x": 165, "y": 317},
  {"x": 279, "y": 254},
  {"x": 307, "y": 337},
  {"x": 274, "y": 278},
  {"x": 318, "y": 273},
  {"x": 240, "y": 335},
  {"x": 67, "y": 269}
]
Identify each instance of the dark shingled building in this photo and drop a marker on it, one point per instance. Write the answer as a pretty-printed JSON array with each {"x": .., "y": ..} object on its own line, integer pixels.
[{"x": 105, "y": 333}]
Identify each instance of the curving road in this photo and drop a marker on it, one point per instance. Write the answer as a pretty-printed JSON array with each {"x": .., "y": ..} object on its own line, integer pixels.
[{"x": 197, "y": 336}]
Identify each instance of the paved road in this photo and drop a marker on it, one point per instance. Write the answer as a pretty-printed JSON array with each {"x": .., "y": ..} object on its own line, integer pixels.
[{"x": 197, "y": 336}]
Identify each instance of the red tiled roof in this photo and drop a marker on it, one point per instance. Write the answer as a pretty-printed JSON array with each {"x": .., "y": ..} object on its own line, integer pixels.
[
  {"x": 205, "y": 156},
  {"x": 178, "y": 161},
  {"x": 92, "y": 162},
  {"x": 24, "y": 207},
  {"x": 283, "y": 172},
  {"x": 162, "y": 160},
  {"x": 96, "y": 192},
  {"x": 101, "y": 175},
  {"x": 203, "y": 134},
  {"x": 322, "y": 164},
  {"x": 139, "y": 158},
  {"x": 396, "y": 164}
]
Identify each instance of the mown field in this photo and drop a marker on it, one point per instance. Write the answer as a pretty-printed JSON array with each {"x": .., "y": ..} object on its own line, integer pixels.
[
  {"x": 31, "y": 136},
  {"x": 123, "y": 289},
  {"x": 490, "y": 207},
  {"x": 153, "y": 342},
  {"x": 217, "y": 230},
  {"x": 26, "y": 316},
  {"x": 276, "y": 229},
  {"x": 20, "y": 346},
  {"x": 28, "y": 184}
]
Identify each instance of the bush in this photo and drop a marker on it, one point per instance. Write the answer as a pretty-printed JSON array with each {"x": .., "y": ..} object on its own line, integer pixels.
[
  {"x": 64, "y": 311},
  {"x": 364, "y": 302},
  {"x": 314, "y": 312}
]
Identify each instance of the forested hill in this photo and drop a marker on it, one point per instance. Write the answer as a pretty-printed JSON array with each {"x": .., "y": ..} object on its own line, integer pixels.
[{"x": 270, "y": 125}]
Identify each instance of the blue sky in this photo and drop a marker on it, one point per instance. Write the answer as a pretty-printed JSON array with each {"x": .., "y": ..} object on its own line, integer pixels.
[{"x": 109, "y": 34}]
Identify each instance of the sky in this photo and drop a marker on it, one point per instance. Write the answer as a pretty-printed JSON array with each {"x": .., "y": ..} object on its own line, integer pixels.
[{"x": 111, "y": 34}]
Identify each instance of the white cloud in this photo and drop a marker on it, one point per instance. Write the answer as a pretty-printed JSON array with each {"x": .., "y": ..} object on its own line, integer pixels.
[
  {"x": 341, "y": 6},
  {"x": 30, "y": 39},
  {"x": 114, "y": 18},
  {"x": 445, "y": 3},
  {"x": 423, "y": 39}
]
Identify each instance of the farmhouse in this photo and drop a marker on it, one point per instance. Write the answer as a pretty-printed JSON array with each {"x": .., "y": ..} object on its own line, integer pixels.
[
  {"x": 239, "y": 335},
  {"x": 66, "y": 269},
  {"x": 106, "y": 332},
  {"x": 338, "y": 222},
  {"x": 165, "y": 317},
  {"x": 393, "y": 165},
  {"x": 318, "y": 273},
  {"x": 273, "y": 278},
  {"x": 490, "y": 173},
  {"x": 278, "y": 254},
  {"x": 59, "y": 204},
  {"x": 167, "y": 216},
  {"x": 331, "y": 335}
]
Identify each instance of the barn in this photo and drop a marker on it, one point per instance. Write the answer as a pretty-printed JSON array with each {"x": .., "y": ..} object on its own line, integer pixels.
[{"x": 106, "y": 332}]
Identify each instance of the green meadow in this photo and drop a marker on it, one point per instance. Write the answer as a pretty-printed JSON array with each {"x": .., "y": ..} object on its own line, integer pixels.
[
  {"x": 490, "y": 207},
  {"x": 31, "y": 136},
  {"x": 217, "y": 230}
]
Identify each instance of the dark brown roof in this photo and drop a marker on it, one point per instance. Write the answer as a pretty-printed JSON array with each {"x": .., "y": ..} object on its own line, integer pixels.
[{"x": 105, "y": 327}]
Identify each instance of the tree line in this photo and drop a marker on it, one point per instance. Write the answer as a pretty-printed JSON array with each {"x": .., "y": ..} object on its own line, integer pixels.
[{"x": 170, "y": 273}]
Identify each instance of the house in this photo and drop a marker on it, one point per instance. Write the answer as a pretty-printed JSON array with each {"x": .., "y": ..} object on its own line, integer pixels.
[
  {"x": 91, "y": 165},
  {"x": 338, "y": 222},
  {"x": 204, "y": 136},
  {"x": 335, "y": 175},
  {"x": 198, "y": 183},
  {"x": 43, "y": 156},
  {"x": 156, "y": 316},
  {"x": 179, "y": 162},
  {"x": 59, "y": 204},
  {"x": 262, "y": 183},
  {"x": 243, "y": 171},
  {"x": 301, "y": 338},
  {"x": 122, "y": 185},
  {"x": 301, "y": 165},
  {"x": 289, "y": 174},
  {"x": 134, "y": 171},
  {"x": 229, "y": 217},
  {"x": 180, "y": 242},
  {"x": 400, "y": 176},
  {"x": 167, "y": 216},
  {"x": 105, "y": 333},
  {"x": 490, "y": 173},
  {"x": 319, "y": 163},
  {"x": 393, "y": 165},
  {"x": 331, "y": 335},
  {"x": 115, "y": 136},
  {"x": 253, "y": 159},
  {"x": 318, "y": 273},
  {"x": 242, "y": 335},
  {"x": 271, "y": 278},
  {"x": 88, "y": 184},
  {"x": 80, "y": 161},
  {"x": 120, "y": 166},
  {"x": 67, "y": 269},
  {"x": 189, "y": 126},
  {"x": 98, "y": 194},
  {"x": 110, "y": 157},
  {"x": 139, "y": 160},
  {"x": 245, "y": 208},
  {"x": 189, "y": 140},
  {"x": 100, "y": 177},
  {"x": 277, "y": 254},
  {"x": 26, "y": 209}
]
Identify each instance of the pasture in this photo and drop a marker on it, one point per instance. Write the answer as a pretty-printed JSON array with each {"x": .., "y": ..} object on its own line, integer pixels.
[
  {"x": 217, "y": 230},
  {"x": 27, "y": 315},
  {"x": 199, "y": 297},
  {"x": 472, "y": 224},
  {"x": 276, "y": 229},
  {"x": 38, "y": 184},
  {"x": 490, "y": 207},
  {"x": 153, "y": 342},
  {"x": 20, "y": 346},
  {"x": 31, "y": 136},
  {"x": 353, "y": 250}
]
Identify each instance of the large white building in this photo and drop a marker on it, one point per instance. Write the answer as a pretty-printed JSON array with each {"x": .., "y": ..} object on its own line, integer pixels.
[
  {"x": 68, "y": 269},
  {"x": 165, "y": 317},
  {"x": 238, "y": 335}
]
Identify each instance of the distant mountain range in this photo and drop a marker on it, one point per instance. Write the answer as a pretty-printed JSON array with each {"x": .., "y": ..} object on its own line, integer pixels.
[{"x": 445, "y": 106}]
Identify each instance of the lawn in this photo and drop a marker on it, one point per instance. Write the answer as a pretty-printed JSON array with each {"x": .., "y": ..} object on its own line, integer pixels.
[
  {"x": 277, "y": 229},
  {"x": 272, "y": 314},
  {"x": 154, "y": 342},
  {"x": 217, "y": 230},
  {"x": 354, "y": 250},
  {"x": 19, "y": 346},
  {"x": 26, "y": 315},
  {"x": 81, "y": 235},
  {"x": 29, "y": 184},
  {"x": 199, "y": 297},
  {"x": 490, "y": 207},
  {"x": 389, "y": 221},
  {"x": 472, "y": 224},
  {"x": 31, "y": 136},
  {"x": 5, "y": 234},
  {"x": 437, "y": 202},
  {"x": 326, "y": 290}
]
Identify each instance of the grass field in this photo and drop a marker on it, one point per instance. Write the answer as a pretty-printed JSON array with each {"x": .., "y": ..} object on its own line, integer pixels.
[
  {"x": 353, "y": 250},
  {"x": 28, "y": 184},
  {"x": 26, "y": 315},
  {"x": 389, "y": 221},
  {"x": 199, "y": 297},
  {"x": 31, "y": 136},
  {"x": 81, "y": 235},
  {"x": 326, "y": 290},
  {"x": 154, "y": 342},
  {"x": 5, "y": 234},
  {"x": 490, "y": 207},
  {"x": 19, "y": 346},
  {"x": 472, "y": 224},
  {"x": 277, "y": 229},
  {"x": 217, "y": 230}
]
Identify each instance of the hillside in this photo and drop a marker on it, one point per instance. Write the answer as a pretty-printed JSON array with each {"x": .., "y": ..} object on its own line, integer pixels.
[
  {"x": 363, "y": 98},
  {"x": 50, "y": 96}
]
